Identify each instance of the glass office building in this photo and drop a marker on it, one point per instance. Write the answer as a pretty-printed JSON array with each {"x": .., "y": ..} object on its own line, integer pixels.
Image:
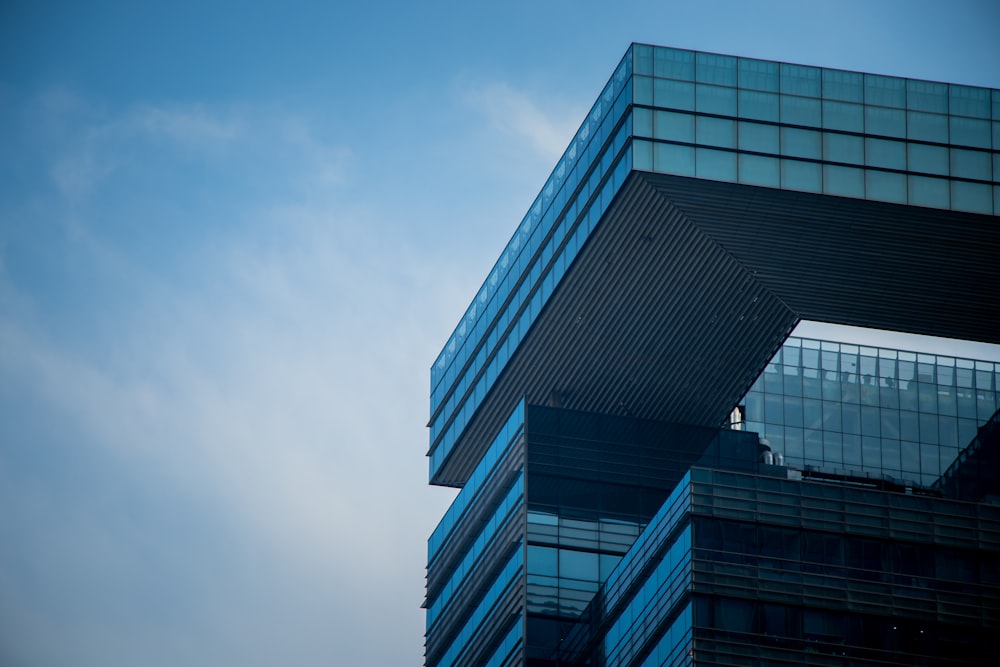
[{"x": 651, "y": 471}]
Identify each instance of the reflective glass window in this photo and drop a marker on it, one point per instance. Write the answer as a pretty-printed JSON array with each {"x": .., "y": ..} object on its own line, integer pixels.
[
  {"x": 996, "y": 135},
  {"x": 927, "y": 96},
  {"x": 924, "y": 126},
  {"x": 716, "y": 132},
  {"x": 642, "y": 155},
  {"x": 673, "y": 94},
  {"x": 800, "y": 80},
  {"x": 642, "y": 90},
  {"x": 843, "y": 148},
  {"x": 885, "y": 186},
  {"x": 806, "y": 176},
  {"x": 840, "y": 85},
  {"x": 926, "y": 191},
  {"x": 758, "y": 74},
  {"x": 578, "y": 565},
  {"x": 759, "y": 170},
  {"x": 974, "y": 197},
  {"x": 673, "y": 126},
  {"x": 673, "y": 63},
  {"x": 642, "y": 59},
  {"x": 758, "y": 105},
  {"x": 714, "y": 68},
  {"x": 843, "y": 181},
  {"x": 885, "y": 122},
  {"x": 996, "y": 104},
  {"x": 673, "y": 159},
  {"x": 927, "y": 159},
  {"x": 801, "y": 143},
  {"x": 970, "y": 131},
  {"x": 642, "y": 122},
  {"x": 885, "y": 153},
  {"x": 758, "y": 137},
  {"x": 715, "y": 165},
  {"x": 971, "y": 164},
  {"x": 886, "y": 91},
  {"x": 843, "y": 116},
  {"x": 800, "y": 111},
  {"x": 969, "y": 101},
  {"x": 715, "y": 99}
]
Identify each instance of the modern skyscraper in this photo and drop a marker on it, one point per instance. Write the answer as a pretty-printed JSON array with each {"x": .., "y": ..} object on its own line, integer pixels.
[{"x": 652, "y": 472}]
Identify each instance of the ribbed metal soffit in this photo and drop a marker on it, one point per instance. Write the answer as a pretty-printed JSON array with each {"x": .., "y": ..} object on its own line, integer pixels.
[{"x": 687, "y": 287}]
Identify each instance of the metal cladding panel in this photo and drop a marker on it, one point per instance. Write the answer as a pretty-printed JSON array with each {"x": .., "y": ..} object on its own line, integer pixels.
[
  {"x": 687, "y": 287},
  {"x": 851, "y": 261}
]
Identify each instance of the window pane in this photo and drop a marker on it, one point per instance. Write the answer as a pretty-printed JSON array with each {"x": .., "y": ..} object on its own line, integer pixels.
[
  {"x": 758, "y": 170},
  {"x": 716, "y": 165},
  {"x": 843, "y": 148},
  {"x": 885, "y": 186},
  {"x": 642, "y": 90},
  {"x": 673, "y": 159},
  {"x": 840, "y": 85},
  {"x": 928, "y": 159},
  {"x": 970, "y": 132},
  {"x": 800, "y": 80},
  {"x": 970, "y": 164},
  {"x": 715, "y": 99},
  {"x": 806, "y": 176},
  {"x": 843, "y": 116},
  {"x": 673, "y": 63},
  {"x": 886, "y": 122},
  {"x": 885, "y": 91},
  {"x": 800, "y": 143},
  {"x": 755, "y": 104},
  {"x": 973, "y": 197},
  {"x": 927, "y": 96},
  {"x": 758, "y": 74},
  {"x": 927, "y": 126},
  {"x": 758, "y": 137},
  {"x": 673, "y": 126},
  {"x": 969, "y": 101},
  {"x": 843, "y": 181},
  {"x": 642, "y": 122},
  {"x": 714, "y": 68},
  {"x": 926, "y": 191},
  {"x": 800, "y": 111},
  {"x": 642, "y": 155},
  {"x": 885, "y": 153},
  {"x": 673, "y": 94},
  {"x": 716, "y": 132}
]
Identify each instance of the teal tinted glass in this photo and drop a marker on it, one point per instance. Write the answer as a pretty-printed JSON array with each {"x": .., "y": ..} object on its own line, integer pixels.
[
  {"x": 673, "y": 126},
  {"x": 715, "y": 99},
  {"x": 843, "y": 116},
  {"x": 759, "y": 170},
  {"x": 885, "y": 186},
  {"x": 806, "y": 176},
  {"x": 758, "y": 137},
  {"x": 973, "y": 197},
  {"x": 801, "y": 143},
  {"x": 801, "y": 111},
  {"x": 923, "y": 126},
  {"x": 971, "y": 164},
  {"x": 885, "y": 122},
  {"x": 927, "y": 159},
  {"x": 969, "y": 101},
  {"x": 673, "y": 63},
  {"x": 758, "y": 75},
  {"x": 926, "y": 191},
  {"x": 716, "y": 132},
  {"x": 885, "y": 91},
  {"x": 714, "y": 68},
  {"x": 800, "y": 80},
  {"x": 843, "y": 181},
  {"x": 845, "y": 86},
  {"x": 642, "y": 90},
  {"x": 843, "y": 148},
  {"x": 927, "y": 96},
  {"x": 970, "y": 131},
  {"x": 758, "y": 105},
  {"x": 642, "y": 155},
  {"x": 673, "y": 159},
  {"x": 885, "y": 153},
  {"x": 673, "y": 94},
  {"x": 715, "y": 165}
]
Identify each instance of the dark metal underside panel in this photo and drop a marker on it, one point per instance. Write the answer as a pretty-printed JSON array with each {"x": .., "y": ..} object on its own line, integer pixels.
[{"x": 687, "y": 287}]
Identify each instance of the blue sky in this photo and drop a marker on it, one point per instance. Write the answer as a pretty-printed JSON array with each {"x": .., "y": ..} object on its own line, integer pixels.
[{"x": 234, "y": 236}]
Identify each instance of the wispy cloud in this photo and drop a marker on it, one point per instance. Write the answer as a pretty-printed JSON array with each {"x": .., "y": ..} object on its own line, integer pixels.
[{"x": 519, "y": 116}]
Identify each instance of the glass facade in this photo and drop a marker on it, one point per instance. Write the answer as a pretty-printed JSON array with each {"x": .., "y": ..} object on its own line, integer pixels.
[{"x": 847, "y": 512}]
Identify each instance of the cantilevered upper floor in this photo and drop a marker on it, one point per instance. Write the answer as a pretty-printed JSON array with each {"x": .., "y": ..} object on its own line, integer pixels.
[{"x": 705, "y": 206}]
